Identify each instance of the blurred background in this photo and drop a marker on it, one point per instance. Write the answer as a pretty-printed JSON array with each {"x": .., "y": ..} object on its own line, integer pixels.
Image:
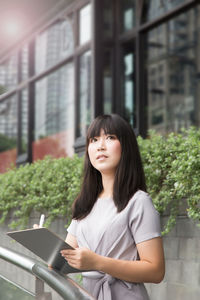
[{"x": 63, "y": 62}]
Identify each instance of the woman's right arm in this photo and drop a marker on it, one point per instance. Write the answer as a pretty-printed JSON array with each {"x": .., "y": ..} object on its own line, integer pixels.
[{"x": 71, "y": 240}]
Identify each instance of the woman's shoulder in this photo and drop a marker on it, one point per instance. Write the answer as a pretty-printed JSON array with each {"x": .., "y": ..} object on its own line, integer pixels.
[
  {"x": 140, "y": 199},
  {"x": 140, "y": 196}
]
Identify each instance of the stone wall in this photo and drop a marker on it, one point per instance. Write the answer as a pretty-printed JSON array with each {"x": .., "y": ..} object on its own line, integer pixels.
[{"x": 182, "y": 254}]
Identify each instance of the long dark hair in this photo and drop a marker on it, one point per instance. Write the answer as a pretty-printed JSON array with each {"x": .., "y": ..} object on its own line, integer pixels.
[{"x": 129, "y": 176}]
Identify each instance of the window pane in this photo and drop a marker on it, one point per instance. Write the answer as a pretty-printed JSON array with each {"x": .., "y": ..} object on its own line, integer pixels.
[
  {"x": 8, "y": 122},
  {"x": 8, "y": 132},
  {"x": 157, "y": 42},
  {"x": 154, "y": 9},
  {"x": 54, "y": 44},
  {"x": 8, "y": 75},
  {"x": 24, "y": 62},
  {"x": 85, "y": 24},
  {"x": 54, "y": 114},
  {"x": 173, "y": 73},
  {"x": 84, "y": 93},
  {"x": 107, "y": 83},
  {"x": 128, "y": 10}
]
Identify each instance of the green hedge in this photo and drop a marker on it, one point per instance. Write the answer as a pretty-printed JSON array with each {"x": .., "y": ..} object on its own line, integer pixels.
[
  {"x": 172, "y": 169},
  {"x": 47, "y": 186}
]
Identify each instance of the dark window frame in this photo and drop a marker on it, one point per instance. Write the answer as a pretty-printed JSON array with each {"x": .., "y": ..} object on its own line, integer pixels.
[{"x": 97, "y": 45}]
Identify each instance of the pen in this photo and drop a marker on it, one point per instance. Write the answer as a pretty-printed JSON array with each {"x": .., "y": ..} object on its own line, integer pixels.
[{"x": 41, "y": 223}]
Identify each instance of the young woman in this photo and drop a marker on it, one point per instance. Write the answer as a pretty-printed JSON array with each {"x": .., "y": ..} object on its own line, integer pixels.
[{"x": 115, "y": 228}]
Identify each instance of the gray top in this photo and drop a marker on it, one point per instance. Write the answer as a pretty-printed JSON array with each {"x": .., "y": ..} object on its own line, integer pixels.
[{"x": 113, "y": 234}]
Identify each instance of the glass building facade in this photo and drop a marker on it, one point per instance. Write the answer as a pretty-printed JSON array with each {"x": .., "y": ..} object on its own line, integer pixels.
[{"x": 140, "y": 59}]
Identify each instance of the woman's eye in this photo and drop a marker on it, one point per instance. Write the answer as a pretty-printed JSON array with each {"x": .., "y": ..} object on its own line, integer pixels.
[
  {"x": 93, "y": 140},
  {"x": 111, "y": 137}
]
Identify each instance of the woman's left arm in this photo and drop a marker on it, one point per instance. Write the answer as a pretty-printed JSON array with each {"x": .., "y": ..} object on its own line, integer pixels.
[{"x": 150, "y": 267}]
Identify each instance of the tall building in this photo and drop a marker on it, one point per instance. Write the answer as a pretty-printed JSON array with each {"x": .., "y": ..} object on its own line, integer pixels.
[{"x": 78, "y": 59}]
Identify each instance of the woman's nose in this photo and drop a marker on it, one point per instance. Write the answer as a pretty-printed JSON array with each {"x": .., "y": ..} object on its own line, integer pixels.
[{"x": 101, "y": 144}]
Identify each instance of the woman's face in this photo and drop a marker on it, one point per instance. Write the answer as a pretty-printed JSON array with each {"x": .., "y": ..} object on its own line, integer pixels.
[{"x": 105, "y": 153}]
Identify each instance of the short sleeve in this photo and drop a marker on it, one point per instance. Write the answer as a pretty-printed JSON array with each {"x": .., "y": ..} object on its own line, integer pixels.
[
  {"x": 144, "y": 220},
  {"x": 72, "y": 227}
]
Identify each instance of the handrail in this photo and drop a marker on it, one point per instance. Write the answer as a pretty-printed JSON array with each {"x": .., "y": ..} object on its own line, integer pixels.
[{"x": 64, "y": 286}]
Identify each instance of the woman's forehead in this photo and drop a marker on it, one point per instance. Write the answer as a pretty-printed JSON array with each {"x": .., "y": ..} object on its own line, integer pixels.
[{"x": 102, "y": 131}]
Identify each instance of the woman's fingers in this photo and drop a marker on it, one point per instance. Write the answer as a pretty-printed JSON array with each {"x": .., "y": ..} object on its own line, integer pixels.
[
  {"x": 50, "y": 267},
  {"x": 81, "y": 258}
]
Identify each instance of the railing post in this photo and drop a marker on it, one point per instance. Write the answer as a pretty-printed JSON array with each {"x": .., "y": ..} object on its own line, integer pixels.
[{"x": 40, "y": 294}]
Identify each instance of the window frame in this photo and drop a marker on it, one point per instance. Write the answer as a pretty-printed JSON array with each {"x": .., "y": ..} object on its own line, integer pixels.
[{"x": 29, "y": 83}]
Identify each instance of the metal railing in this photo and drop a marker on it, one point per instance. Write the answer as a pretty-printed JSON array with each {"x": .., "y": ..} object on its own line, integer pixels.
[{"x": 62, "y": 284}]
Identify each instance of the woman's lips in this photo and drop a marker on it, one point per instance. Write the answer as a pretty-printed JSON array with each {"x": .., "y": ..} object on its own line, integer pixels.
[{"x": 101, "y": 157}]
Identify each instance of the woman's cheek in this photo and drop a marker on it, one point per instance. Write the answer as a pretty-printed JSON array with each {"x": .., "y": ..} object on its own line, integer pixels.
[{"x": 116, "y": 149}]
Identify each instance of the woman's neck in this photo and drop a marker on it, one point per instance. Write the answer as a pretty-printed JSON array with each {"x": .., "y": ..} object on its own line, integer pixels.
[{"x": 108, "y": 182}]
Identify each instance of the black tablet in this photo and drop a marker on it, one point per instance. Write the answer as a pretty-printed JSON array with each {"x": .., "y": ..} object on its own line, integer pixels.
[{"x": 45, "y": 244}]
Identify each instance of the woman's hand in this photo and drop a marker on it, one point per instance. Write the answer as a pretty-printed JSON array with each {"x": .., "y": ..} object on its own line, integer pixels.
[
  {"x": 35, "y": 226},
  {"x": 81, "y": 258}
]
